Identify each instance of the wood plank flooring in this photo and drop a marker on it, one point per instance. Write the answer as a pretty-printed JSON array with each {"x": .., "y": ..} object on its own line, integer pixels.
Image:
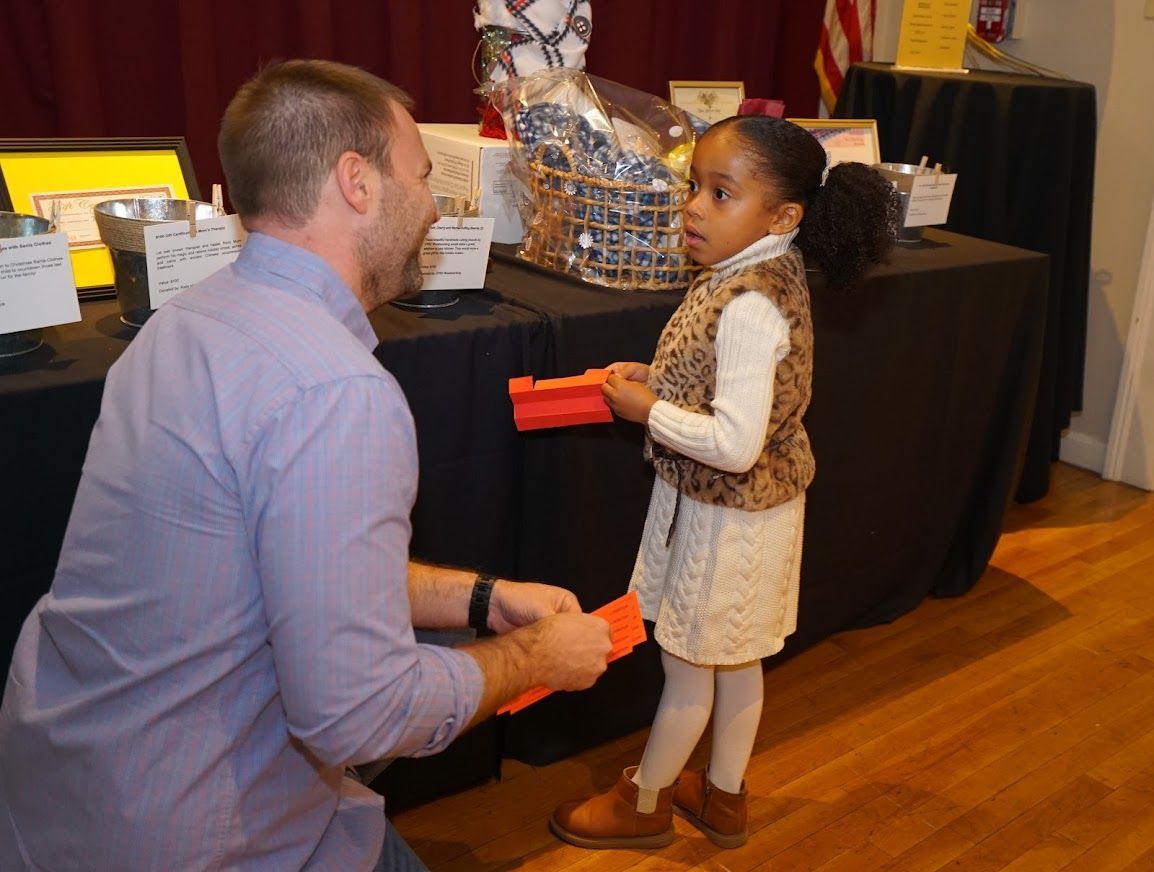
[{"x": 1009, "y": 729}]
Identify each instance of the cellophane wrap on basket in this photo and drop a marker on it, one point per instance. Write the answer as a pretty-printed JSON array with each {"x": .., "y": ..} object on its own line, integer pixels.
[{"x": 604, "y": 171}]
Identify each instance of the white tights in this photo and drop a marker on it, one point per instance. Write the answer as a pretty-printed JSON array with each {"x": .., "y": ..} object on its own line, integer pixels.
[{"x": 733, "y": 694}]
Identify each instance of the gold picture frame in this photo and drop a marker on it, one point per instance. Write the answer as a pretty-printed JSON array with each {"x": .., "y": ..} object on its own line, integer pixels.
[
  {"x": 845, "y": 139},
  {"x": 709, "y": 101},
  {"x": 68, "y": 176}
]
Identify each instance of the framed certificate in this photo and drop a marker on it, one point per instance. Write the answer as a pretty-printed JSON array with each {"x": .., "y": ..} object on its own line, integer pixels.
[
  {"x": 709, "y": 101},
  {"x": 845, "y": 139},
  {"x": 65, "y": 178}
]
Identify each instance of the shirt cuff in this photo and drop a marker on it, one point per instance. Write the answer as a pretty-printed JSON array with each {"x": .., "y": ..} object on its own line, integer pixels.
[{"x": 462, "y": 673}]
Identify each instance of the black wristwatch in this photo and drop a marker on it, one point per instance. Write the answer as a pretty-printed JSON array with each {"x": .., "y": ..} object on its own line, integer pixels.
[{"x": 479, "y": 602}]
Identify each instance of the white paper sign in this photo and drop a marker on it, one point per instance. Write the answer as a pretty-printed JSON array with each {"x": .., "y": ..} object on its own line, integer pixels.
[
  {"x": 36, "y": 284},
  {"x": 455, "y": 257},
  {"x": 176, "y": 260},
  {"x": 930, "y": 199}
]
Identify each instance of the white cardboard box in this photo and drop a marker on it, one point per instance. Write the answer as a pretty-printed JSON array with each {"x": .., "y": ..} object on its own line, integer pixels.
[{"x": 464, "y": 163}]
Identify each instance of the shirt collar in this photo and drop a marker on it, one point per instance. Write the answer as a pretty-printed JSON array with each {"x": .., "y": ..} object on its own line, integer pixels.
[
  {"x": 769, "y": 246},
  {"x": 306, "y": 275}
]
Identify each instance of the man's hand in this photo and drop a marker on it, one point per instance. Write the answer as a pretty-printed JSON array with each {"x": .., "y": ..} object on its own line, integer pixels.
[
  {"x": 562, "y": 651},
  {"x": 628, "y": 399},
  {"x": 630, "y": 370},
  {"x": 517, "y": 604},
  {"x": 571, "y": 650}
]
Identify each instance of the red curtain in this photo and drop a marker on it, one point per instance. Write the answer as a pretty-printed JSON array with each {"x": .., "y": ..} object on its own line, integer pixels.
[{"x": 146, "y": 68}]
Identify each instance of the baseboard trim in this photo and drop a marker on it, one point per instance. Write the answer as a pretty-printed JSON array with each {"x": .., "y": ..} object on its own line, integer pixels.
[
  {"x": 1139, "y": 347},
  {"x": 1084, "y": 451}
]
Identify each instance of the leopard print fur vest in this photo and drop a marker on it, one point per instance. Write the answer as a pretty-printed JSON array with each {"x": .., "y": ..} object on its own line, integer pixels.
[{"x": 684, "y": 372}]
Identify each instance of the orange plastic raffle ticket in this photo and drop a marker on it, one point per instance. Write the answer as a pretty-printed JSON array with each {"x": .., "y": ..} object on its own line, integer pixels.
[
  {"x": 624, "y": 618},
  {"x": 559, "y": 402}
]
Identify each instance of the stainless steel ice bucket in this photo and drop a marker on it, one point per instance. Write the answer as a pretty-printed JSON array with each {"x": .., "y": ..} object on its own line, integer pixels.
[
  {"x": 450, "y": 207},
  {"x": 13, "y": 224},
  {"x": 902, "y": 175},
  {"x": 121, "y": 224}
]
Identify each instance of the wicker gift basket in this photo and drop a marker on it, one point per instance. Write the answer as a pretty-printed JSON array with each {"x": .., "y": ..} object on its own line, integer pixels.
[
  {"x": 622, "y": 234},
  {"x": 603, "y": 168}
]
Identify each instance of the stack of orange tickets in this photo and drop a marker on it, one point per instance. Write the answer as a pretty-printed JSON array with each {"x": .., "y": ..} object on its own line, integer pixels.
[
  {"x": 559, "y": 402},
  {"x": 624, "y": 618}
]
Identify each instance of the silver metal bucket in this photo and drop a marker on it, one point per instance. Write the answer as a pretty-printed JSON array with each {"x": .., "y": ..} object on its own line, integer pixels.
[
  {"x": 121, "y": 224},
  {"x": 902, "y": 175},
  {"x": 448, "y": 207},
  {"x": 12, "y": 225},
  {"x": 451, "y": 207}
]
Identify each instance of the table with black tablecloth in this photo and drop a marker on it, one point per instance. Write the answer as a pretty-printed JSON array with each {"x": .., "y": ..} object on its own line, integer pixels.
[
  {"x": 924, "y": 385},
  {"x": 1023, "y": 149}
]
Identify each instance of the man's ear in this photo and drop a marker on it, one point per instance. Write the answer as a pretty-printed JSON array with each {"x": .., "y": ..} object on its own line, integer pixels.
[
  {"x": 353, "y": 178},
  {"x": 786, "y": 217}
]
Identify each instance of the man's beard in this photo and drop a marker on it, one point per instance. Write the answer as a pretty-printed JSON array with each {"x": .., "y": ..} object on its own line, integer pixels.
[
  {"x": 388, "y": 274},
  {"x": 383, "y": 280}
]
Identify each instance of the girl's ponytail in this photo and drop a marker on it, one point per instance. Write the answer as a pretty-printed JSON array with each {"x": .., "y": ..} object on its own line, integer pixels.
[{"x": 849, "y": 224}]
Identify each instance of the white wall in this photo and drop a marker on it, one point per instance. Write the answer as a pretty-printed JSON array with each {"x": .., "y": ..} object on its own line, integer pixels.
[{"x": 1109, "y": 44}]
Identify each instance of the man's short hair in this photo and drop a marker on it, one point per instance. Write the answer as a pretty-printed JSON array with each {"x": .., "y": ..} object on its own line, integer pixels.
[{"x": 283, "y": 131}]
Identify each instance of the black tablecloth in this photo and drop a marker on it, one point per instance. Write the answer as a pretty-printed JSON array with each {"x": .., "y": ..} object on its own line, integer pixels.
[
  {"x": 1023, "y": 148},
  {"x": 923, "y": 390}
]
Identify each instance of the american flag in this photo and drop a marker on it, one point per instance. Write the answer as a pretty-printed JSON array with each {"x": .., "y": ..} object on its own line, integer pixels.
[{"x": 847, "y": 36}]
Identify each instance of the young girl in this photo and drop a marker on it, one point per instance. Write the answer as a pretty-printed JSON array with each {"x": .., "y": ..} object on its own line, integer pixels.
[{"x": 723, "y": 400}]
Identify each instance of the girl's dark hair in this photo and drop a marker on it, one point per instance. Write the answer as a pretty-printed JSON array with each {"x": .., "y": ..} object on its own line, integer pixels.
[{"x": 849, "y": 222}]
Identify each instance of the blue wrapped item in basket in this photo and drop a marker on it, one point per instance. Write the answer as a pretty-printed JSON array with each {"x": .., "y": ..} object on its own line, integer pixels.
[{"x": 604, "y": 168}]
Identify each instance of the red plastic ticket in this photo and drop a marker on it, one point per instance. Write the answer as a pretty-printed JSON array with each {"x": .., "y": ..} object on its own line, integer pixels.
[{"x": 624, "y": 618}]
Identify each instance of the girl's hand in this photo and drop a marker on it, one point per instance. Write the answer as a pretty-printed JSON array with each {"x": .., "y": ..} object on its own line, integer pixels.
[
  {"x": 628, "y": 399},
  {"x": 638, "y": 372}
]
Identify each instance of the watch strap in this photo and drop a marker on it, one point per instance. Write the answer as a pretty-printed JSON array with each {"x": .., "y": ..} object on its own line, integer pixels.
[{"x": 479, "y": 601}]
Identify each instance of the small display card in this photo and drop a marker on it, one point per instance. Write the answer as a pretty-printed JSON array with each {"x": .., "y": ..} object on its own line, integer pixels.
[
  {"x": 455, "y": 254},
  {"x": 36, "y": 284},
  {"x": 930, "y": 198},
  {"x": 933, "y": 35},
  {"x": 178, "y": 260}
]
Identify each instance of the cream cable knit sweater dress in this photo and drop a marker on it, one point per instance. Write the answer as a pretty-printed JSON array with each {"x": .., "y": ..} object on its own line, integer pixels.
[{"x": 725, "y": 590}]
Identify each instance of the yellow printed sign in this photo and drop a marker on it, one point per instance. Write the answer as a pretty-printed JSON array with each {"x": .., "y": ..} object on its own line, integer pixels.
[
  {"x": 933, "y": 34},
  {"x": 73, "y": 181}
]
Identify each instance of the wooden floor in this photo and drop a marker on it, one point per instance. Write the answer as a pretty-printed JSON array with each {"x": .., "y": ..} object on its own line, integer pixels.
[{"x": 1012, "y": 728}]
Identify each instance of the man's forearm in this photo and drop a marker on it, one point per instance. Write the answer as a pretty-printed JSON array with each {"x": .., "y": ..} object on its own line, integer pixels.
[
  {"x": 439, "y": 595},
  {"x": 510, "y": 666}
]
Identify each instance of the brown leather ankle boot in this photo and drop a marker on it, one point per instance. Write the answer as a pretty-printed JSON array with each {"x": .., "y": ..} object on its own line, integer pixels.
[
  {"x": 718, "y": 814},
  {"x": 612, "y": 819}
]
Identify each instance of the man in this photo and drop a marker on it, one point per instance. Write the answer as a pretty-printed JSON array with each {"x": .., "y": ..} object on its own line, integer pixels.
[{"x": 228, "y": 627}]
